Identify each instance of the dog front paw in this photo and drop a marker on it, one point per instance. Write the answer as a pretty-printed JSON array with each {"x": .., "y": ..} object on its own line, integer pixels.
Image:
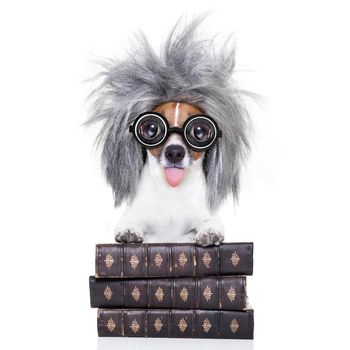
[
  {"x": 129, "y": 236},
  {"x": 209, "y": 237}
]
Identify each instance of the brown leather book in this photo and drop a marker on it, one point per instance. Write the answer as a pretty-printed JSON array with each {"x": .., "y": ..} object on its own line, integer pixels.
[
  {"x": 214, "y": 292},
  {"x": 175, "y": 323},
  {"x": 138, "y": 260}
]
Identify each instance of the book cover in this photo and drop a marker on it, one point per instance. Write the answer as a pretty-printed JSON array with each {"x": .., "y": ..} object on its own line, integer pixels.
[
  {"x": 175, "y": 323},
  {"x": 214, "y": 292},
  {"x": 172, "y": 260}
]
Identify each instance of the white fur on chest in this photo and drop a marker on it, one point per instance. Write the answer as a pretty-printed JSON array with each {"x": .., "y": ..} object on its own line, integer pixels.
[{"x": 168, "y": 213}]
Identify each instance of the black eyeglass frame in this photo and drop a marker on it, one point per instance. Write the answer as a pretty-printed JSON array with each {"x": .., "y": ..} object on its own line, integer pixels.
[{"x": 181, "y": 131}]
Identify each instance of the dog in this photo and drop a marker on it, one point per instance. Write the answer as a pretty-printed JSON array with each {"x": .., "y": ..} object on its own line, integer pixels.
[{"x": 174, "y": 137}]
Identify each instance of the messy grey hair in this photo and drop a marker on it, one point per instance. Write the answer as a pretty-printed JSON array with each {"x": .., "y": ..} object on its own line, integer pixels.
[{"x": 188, "y": 70}]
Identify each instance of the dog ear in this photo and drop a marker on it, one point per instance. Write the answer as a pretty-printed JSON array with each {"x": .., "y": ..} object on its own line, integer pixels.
[
  {"x": 222, "y": 165},
  {"x": 122, "y": 163}
]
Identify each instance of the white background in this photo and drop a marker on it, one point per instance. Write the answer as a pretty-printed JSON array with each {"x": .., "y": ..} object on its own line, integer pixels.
[{"x": 55, "y": 205}]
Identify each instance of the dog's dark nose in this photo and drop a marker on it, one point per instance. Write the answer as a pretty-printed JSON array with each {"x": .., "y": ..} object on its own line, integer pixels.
[{"x": 175, "y": 153}]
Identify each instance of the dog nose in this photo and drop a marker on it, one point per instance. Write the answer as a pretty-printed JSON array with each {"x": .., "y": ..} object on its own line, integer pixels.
[{"x": 174, "y": 153}]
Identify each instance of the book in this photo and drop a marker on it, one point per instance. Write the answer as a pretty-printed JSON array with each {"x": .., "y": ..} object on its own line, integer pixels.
[
  {"x": 138, "y": 260},
  {"x": 214, "y": 292},
  {"x": 175, "y": 323}
]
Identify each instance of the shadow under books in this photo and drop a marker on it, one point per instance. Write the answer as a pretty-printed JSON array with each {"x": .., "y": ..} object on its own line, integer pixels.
[{"x": 111, "y": 343}]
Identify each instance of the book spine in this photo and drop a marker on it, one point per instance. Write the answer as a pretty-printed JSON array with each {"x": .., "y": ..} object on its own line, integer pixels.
[
  {"x": 172, "y": 260},
  {"x": 219, "y": 293},
  {"x": 175, "y": 323}
]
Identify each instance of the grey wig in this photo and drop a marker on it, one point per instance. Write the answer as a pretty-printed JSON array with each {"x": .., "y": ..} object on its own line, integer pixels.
[{"x": 187, "y": 70}]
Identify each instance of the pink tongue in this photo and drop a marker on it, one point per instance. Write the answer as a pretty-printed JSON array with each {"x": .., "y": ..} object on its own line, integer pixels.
[{"x": 173, "y": 175}]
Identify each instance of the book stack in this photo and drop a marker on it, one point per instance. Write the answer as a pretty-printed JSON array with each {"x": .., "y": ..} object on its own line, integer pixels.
[{"x": 172, "y": 290}]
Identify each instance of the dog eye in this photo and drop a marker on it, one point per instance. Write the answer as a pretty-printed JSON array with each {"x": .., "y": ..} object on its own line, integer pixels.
[
  {"x": 149, "y": 130},
  {"x": 201, "y": 132}
]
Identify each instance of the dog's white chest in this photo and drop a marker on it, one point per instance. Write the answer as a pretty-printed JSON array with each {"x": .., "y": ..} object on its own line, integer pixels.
[{"x": 167, "y": 213}]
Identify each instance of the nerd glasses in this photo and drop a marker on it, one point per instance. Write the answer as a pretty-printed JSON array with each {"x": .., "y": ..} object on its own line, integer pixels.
[{"x": 199, "y": 132}]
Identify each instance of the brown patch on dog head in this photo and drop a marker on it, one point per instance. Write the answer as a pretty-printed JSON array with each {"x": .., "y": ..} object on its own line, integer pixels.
[{"x": 176, "y": 113}]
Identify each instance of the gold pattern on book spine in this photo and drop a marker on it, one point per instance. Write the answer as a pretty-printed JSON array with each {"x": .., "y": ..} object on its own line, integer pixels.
[
  {"x": 206, "y": 325},
  {"x": 234, "y": 326},
  {"x": 159, "y": 294},
  {"x": 235, "y": 259},
  {"x": 158, "y": 324},
  {"x": 111, "y": 325},
  {"x": 184, "y": 294},
  {"x": 206, "y": 260},
  {"x": 182, "y": 325},
  {"x": 158, "y": 260},
  {"x": 109, "y": 261},
  {"x": 182, "y": 259},
  {"x": 207, "y": 293},
  {"x": 134, "y": 261},
  {"x": 231, "y": 294},
  {"x": 135, "y": 326},
  {"x": 108, "y": 293},
  {"x": 136, "y": 294}
]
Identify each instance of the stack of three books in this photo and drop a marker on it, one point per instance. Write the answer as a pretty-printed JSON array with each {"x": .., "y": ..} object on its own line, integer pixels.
[{"x": 173, "y": 290}]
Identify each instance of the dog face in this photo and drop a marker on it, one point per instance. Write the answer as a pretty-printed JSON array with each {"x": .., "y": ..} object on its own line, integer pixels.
[
  {"x": 174, "y": 156},
  {"x": 188, "y": 69}
]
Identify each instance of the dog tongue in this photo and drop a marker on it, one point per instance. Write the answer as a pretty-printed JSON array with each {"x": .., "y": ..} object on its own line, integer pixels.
[{"x": 173, "y": 175}]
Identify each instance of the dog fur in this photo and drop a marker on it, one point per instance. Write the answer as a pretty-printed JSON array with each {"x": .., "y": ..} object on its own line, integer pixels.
[{"x": 188, "y": 71}]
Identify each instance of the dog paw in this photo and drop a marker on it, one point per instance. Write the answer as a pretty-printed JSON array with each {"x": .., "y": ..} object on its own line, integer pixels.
[
  {"x": 209, "y": 237},
  {"x": 128, "y": 236}
]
